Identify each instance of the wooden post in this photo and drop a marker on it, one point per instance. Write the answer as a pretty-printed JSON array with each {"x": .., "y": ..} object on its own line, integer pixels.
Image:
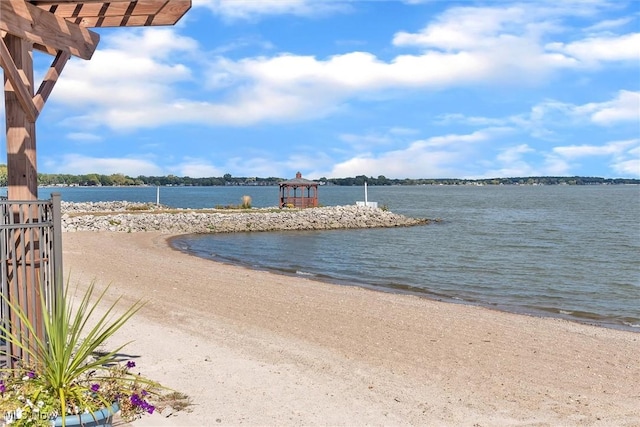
[
  {"x": 24, "y": 289},
  {"x": 21, "y": 132}
]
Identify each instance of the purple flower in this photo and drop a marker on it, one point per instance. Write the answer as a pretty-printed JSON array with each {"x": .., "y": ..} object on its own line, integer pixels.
[
  {"x": 135, "y": 400},
  {"x": 31, "y": 374},
  {"x": 131, "y": 364},
  {"x": 95, "y": 387},
  {"x": 3, "y": 387},
  {"x": 147, "y": 407},
  {"x": 141, "y": 403}
]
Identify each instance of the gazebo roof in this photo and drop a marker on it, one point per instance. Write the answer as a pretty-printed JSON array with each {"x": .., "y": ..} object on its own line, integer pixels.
[
  {"x": 116, "y": 13},
  {"x": 299, "y": 181}
]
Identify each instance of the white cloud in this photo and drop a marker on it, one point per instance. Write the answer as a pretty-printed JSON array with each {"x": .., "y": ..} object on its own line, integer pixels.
[
  {"x": 456, "y": 118},
  {"x": 413, "y": 162},
  {"x": 514, "y": 154},
  {"x": 403, "y": 131},
  {"x": 506, "y": 41},
  {"x": 555, "y": 166},
  {"x": 197, "y": 168},
  {"x": 341, "y": 76},
  {"x": 458, "y": 139},
  {"x": 625, "y": 107},
  {"x": 133, "y": 82},
  {"x": 457, "y": 155},
  {"x": 152, "y": 42},
  {"x": 597, "y": 49},
  {"x": 243, "y": 43},
  {"x": 133, "y": 70},
  {"x": 611, "y": 148},
  {"x": 512, "y": 38},
  {"x": 84, "y": 137},
  {"x": 513, "y": 162},
  {"x": 628, "y": 164},
  {"x": 79, "y": 164},
  {"x": 266, "y": 166},
  {"x": 624, "y": 156},
  {"x": 626, "y": 168},
  {"x": 442, "y": 156},
  {"x": 546, "y": 116},
  {"x": 289, "y": 87},
  {"x": 608, "y": 24},
  {"x": 361, "y": 71},
  {"x": 464, "y": 28},
  {"x": 377, "y": 138},
  {"x": 465, "y": 46},
  {"x": 234, "y": 9}
]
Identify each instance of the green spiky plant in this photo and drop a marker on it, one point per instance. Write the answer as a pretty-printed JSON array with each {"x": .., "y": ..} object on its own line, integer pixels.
[{"x": 67, "y": 374}]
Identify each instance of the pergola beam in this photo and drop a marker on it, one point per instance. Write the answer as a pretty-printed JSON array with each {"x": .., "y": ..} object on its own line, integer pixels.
[
  {"x": 50, "y": 79},
  {"x": 117, "y": 13},
  {"x": 18, "y": 85},
  {"x": 31, "y": 106},
  {"x": 40, "y": 27}
]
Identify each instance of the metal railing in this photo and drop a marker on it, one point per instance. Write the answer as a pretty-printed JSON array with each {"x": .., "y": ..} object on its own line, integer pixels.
[{"x": 30, "y": 261}]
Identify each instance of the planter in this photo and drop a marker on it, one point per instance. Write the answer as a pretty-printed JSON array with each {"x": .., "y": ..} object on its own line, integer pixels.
[{"x": 101, "y": 418}]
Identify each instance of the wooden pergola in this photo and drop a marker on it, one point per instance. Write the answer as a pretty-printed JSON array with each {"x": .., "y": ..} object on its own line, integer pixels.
[
  {"x": 59, "y": 28},
  {"x": 62, "y": 29}
]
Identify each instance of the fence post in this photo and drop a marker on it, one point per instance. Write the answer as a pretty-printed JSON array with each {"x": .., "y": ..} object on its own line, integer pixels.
[
  {"x": 57, "y": 248},
  {"x": 5, "y": 360}
]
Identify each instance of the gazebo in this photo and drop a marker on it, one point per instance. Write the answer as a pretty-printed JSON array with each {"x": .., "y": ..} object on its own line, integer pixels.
[
  {"x": 298, "y": 193},
  {"x": 30, "y": 246}
]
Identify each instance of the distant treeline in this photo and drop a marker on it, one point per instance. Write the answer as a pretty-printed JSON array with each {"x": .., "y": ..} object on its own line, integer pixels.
[
  {"x": 95, "y": 180},
  {"x": 535, "y": 180}
]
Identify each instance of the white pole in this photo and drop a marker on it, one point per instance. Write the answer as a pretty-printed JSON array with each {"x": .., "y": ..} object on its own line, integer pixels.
[
  {"x": 158, "y": 196},
  {"x": 365, "y": 193}
]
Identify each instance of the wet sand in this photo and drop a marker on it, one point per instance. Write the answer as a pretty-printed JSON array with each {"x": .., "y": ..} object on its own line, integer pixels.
[{"x": 256, "y": 348}]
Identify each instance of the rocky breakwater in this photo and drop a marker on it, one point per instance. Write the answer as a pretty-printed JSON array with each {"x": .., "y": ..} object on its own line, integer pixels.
[{"x": 135, "y": 217}]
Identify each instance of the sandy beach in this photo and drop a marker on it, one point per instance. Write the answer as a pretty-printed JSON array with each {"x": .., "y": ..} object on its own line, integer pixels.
[{"x": 255, "y": 348}]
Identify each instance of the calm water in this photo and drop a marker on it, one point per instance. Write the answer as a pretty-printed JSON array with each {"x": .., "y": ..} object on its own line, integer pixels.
[{"x": 562, "y": 251}]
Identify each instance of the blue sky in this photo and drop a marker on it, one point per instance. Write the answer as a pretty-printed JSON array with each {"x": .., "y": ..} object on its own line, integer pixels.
[{"x": 405, "y": 89}]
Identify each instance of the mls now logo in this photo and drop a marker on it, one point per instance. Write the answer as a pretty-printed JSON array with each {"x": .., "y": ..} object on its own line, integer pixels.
[{"x": 11, "y": 416}]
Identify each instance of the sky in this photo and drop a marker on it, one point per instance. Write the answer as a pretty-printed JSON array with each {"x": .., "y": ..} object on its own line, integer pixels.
[{"x": 404, "y": 89}]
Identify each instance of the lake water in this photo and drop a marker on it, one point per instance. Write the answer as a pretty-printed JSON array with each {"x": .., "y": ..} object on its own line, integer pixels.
[{"x": 561, "y": 251}]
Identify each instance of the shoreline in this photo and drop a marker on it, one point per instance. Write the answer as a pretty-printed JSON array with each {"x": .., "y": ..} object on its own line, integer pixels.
[
  {"x": 253, "y": 347},
  {"x": 404, "y": 290}
]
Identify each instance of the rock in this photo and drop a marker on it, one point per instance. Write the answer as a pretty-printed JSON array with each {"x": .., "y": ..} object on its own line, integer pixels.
[{"x": 132, "y": 217}]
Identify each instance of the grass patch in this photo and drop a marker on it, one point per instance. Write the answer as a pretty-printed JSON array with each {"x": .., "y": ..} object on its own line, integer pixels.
[
  {"x": 218, "y": 209},
  {"x": 139, "y": 208}
]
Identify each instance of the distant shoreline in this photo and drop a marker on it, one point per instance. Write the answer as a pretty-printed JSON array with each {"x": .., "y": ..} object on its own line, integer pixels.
[
  {"x": 120, "y": 180},
  {"x": 477, "y": 183}
]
